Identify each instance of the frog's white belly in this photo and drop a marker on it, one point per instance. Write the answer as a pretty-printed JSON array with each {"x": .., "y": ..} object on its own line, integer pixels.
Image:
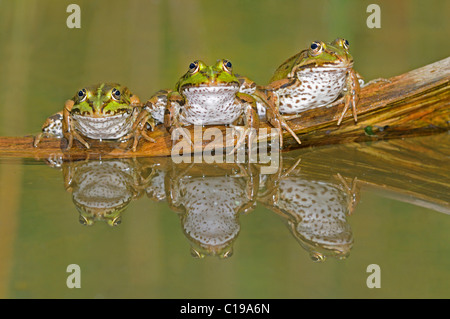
[
  {"x": 320, "y": 207},
  {"x": 108, "y": 127},
  {"x": 102, "y": 187},
  {"x": 211, "y": 105},
  {"x": 319, "y": 87},
  {"x": 211, "y": 204}
]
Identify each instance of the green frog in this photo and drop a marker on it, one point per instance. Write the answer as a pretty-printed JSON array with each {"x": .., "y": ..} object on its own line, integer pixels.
[
  {"x": 207, "y": 95},
  {"x": 214, "y": 95},
  {"x": 316, "y": 77},
  {"x": 106, "y": 111}
]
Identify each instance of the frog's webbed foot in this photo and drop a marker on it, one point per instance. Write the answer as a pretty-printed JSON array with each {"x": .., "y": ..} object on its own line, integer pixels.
[
  {"x": 70, "y": 136},
  {"x": 136, "y": 135},
  {"x": 351, "y": 95}
]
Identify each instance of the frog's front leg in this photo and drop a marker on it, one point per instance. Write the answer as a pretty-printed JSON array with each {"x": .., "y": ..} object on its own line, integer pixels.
[
  {"x": 251, "y": 175},
  {"x": 272, "y": 193},
  {"x": 353, "y": 192},
  {"x": 68, "y": 129},
  {"x": 269, "y": 98},
  {"x": 52, "y": 127},
  {"x": 351, "y": 94},
  {"x": 251, "y": 121},
  {"x": 172, "y": 116},
  {"x": 142, "y": 119}
]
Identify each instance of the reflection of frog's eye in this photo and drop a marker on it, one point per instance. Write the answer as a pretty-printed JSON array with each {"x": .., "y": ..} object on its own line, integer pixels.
[
  {"x": 116, "y": 94},
  {"x": 193, "y": 67},
  {"x": 316, "y": 48},
  {"x": 82, "y": 95},
  {"x": 227, "y": 65}
]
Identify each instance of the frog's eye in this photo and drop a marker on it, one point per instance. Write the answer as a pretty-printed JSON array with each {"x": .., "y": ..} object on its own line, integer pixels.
[
  {"x": 346, "y": 44},
  {"x": 116, "y": 94},
  {"x": 193, "y": 67},
  {"x": 116, "y": 221},
  {"x": 227, "y": 66},
  {"x": 316, "y": 48},
  {"x": 81, "y": 95}
]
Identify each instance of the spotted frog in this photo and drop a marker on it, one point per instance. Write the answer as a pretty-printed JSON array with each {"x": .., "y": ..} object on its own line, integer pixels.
[
  {"x": 315, "y": 77},
  {"x": 314, "y": 209},
  {"x": 209, "y": 199},
  {"x": 208, "y": 95},
  {"x": 106, "y": 111},
  {"x": 102, "y": 190}
]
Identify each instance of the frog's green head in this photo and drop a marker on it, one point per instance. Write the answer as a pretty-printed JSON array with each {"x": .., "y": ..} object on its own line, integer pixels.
[
  {"x": 222, "y": 252},
  {"x": 105, "y": 99},
  {"x": 202, "y": 75},
  {"x": 326, "y": 55},
  {"x": 89, "y": 215},
  {"x": 319, "y": 246}
]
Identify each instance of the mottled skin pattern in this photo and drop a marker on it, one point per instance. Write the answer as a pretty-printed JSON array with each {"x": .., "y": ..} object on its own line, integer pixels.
[
  {"x": 316, "y": 77},
  {"x": 214, "y": 95},
  {"x": 103, "y": 112},
  {"x": 315, "y": 211},
  {"x": 155, "y": 188},
  {"x": 210, "y": 207},
  {"x": 207, "y": 95},
  {"x": 102, "y": 190}
]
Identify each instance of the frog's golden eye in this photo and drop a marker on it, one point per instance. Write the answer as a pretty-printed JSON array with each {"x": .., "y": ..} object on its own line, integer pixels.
[
  {"x": 116, "y": 221},
  {"x": 82, "y": 95},
  {"x": 316, "y": 48},
  {"x": 193, "y": 67},
  {"x": 227, "y": 66},
  {"x": 346, "y": 44},
  {"x": 317, "y": 257},
  {"x": 116, "y": 94}
]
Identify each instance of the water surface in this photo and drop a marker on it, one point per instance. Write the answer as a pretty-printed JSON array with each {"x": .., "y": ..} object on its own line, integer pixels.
[{"x": 399, "y": 222}]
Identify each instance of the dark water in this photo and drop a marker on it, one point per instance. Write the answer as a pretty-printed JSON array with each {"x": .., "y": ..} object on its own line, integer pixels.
[{"x": 400, "y": 200}]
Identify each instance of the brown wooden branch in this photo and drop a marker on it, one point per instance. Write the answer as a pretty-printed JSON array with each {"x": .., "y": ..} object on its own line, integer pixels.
[{"x": 411, "y": 104}]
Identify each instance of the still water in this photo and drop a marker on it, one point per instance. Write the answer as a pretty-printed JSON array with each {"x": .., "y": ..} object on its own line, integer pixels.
[
  {"x": 150, "y": 228},
  {"x": 384, "y": 203}
]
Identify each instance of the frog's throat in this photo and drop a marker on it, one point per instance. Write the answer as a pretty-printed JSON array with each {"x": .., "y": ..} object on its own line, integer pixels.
[
  {"x": 331, "y": 66},
  {"x": 222, "y": 85}
]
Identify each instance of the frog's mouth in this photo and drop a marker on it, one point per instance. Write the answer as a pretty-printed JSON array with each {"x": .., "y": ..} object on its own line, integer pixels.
[
  {"x": 339, "y": 66},
  {"x": 213, "y": 87},
  {"x": 104, "y": 115}
]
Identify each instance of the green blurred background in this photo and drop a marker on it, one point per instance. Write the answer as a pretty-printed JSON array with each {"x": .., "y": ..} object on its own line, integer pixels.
[{"x": 148, "y": 45}]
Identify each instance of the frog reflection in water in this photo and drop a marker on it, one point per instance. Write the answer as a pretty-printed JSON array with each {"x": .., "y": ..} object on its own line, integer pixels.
[
  {"x": 102, "y": 190},
  {"x": 209, "y": 204},
  {"x": 314, "y": 209}
]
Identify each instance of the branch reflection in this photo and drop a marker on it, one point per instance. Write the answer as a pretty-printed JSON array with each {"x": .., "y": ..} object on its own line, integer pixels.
[{"x": 314, "y": 191}]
